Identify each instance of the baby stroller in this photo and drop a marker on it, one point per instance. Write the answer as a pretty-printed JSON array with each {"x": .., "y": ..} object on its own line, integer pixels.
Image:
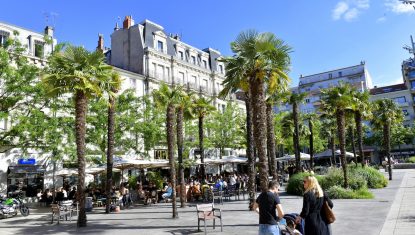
[{"x": 290, "y": 227}]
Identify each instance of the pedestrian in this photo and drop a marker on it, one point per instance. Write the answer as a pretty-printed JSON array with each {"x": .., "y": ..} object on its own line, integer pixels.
[
  {"x": 313, "y": 200},
  {"x": 268, "y": 205}
]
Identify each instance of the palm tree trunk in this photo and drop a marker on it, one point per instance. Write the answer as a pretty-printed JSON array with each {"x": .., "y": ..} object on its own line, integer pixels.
[
  {"x": 352, "y": 143},
  {"x": 201, "y": 148},
  {"x": 170, "y": 152},
  {"x": 387, "y": 144},
  {"x": 179, "y": 129},
  {"x": 296, "y": 137},
  {"x": 333, "y": 156},
  {"x": 358, "y": 121},
  {"x": 110, "y": 149},
  {"x": 81, "y": 103},
  {"x": 310, "y": 126},
  {"x": 250, "y": 152},
  {"x": 260, "y": 135},
  {"x": 271, "y": 142},
  {"x": 340, "y": 115}
]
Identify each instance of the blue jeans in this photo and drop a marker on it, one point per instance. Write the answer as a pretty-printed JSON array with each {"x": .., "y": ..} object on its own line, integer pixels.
[{"x": 269, "y": 229}]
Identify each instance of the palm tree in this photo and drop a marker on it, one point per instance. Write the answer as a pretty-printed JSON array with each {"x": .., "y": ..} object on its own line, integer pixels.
[
  {"x": 275, "y": 98},
  {"x": 295, "y": 100},
  {"x": 260, "y": 59},
  {"x": 84, "y": 74},
  {"x": 386, "y": 114},
  {"x": 168, "y": 98},
  {"x": 339, "y": 99},
  {"x": 183, "y": 111},
  {"x": 115, "y": 86},
  {"x": 311, "y": 117},
  {"x": 202, "y": 107},
  {"x": 362, "y": 110}
]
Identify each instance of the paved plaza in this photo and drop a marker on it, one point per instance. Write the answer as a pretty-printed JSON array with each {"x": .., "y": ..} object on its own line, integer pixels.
[{"x": 391, "y": 212}]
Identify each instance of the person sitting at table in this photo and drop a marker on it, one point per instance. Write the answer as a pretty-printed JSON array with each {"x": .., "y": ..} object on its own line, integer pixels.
[
  {"x": 59, "y": 195},
  {"x": 167, "y": 192},
  {"x": 141, "y": 194},
  {"x": 72, "y": 194}
]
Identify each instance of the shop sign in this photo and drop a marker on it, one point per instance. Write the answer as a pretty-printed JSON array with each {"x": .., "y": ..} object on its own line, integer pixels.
[{"x": 26, "y": 161}]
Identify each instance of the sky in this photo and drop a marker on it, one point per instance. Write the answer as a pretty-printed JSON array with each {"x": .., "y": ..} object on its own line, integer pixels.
[{"x": 324, "y": 34}]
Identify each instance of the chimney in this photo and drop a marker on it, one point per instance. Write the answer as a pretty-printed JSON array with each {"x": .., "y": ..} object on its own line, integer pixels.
[
  {"x": 128, "y": 22},
  {"x": 116, "y": 27},
  {"x": 49, "y": 31},
  {"x": 100, "y": 46}
]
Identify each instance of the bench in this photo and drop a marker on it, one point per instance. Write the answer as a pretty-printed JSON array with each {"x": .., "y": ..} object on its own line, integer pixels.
[
  {"x": 61, "y": 211},
  {"x": 208, "y": 212}
]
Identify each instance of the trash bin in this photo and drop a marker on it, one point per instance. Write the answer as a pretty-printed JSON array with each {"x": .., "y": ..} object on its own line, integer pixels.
[{"x": 88, "y": 204}]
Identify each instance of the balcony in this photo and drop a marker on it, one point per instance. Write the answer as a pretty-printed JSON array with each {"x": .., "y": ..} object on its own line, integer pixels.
[
  {"x": 192, "y": 86},
  {"x": 203, "y": 89}
]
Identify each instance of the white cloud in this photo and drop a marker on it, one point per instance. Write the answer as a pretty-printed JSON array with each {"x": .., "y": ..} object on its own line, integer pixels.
[
  {"x": 398, "y": 7},
  {"x": 363, "y": 4},
  {"x": 351, "y": 14},
  {"x": 349, "y": 10},
  {"x": 381, "y": 19},
  {"x": 339, "y": 10}
]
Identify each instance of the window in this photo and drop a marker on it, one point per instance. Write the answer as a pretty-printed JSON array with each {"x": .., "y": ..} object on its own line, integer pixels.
[
  {"x": 3, "y": 37},
  {"x": 412, "y": 85},
  {"x": 181, "y": 77},
  {"x": 39, "y": 48},
  {"x": 400, "y": 100},
  {"x": 221, "y": 68},
  {"x": 193, "y": 59},
  {"x": 340, "y": 74},
  {"x": 160, "y": 154},
  {"x": 181, "y": 56},
  {"x": 307, "y": 101},
  {"x": 405, "y": 112},
  {"x": 204, "y": 64},
  {"x": 330, "y": 76},
  {"x": 159, "y": 45}
]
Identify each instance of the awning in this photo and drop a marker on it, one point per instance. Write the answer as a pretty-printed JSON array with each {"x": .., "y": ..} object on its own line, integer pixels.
[{"x": 18, "y": 169}]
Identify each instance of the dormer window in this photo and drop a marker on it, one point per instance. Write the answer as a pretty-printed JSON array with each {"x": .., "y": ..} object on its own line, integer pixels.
[
  {"x": 221, "y": 68},
  {"x": 193, "y": 59},
  {"x": 205, "y": 64},
  {"x": 39, "y": 49},
  {"x": 160, "y": 46},
  {"x": 3, "y": 37},
  {"x": 181, "y": 55}
]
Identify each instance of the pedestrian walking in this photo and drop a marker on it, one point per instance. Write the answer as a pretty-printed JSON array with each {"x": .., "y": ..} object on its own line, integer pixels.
[
  {"x": 268, "y": 205},
  {"x": 313, "y": 200}
]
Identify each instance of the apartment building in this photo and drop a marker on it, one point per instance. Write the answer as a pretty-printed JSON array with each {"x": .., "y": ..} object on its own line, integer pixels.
[{"x": 148, "y": 50}]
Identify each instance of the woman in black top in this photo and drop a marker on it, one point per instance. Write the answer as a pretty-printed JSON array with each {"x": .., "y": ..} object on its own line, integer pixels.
[{"x": 312, "y": 203}]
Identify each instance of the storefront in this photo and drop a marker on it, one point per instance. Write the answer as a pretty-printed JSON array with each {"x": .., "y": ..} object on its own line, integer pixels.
[{"x": 25, "y": 176}]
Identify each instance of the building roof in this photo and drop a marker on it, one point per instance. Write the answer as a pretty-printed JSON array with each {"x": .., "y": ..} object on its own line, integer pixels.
[
  {"x": 388, "y": 89},
  {"x": 334, "y": 70}
]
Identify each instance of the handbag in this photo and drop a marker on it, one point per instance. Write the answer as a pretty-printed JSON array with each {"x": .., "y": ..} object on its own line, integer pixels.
[{"x": 328, "y": 214}]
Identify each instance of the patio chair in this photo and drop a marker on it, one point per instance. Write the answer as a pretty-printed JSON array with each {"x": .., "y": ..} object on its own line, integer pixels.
[
  {"x": 61, "y": 212},
  {"x": 230, "y": 191},
  {"x": 208, "y": 212},
  {"x": 217, "y": 194}
]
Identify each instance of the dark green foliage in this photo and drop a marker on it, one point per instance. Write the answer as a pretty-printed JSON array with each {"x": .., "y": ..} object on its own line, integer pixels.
[
  {"x": 410, "y": 160},
  {"x": 156, "y": 178},
  {"x": 338, "y": 192},
  {"x": 360, "y": 179},
  {"x": 372, "y": 176}
]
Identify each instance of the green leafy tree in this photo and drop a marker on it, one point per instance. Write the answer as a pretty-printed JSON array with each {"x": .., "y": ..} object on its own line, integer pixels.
[
  {"x": 226, "y": 129},
  {"x": 18, "y": 88},
  {"x": 85, "y": 75},
  {"x": 362, "y": 111},
  {"x": 386, "y": 114}
]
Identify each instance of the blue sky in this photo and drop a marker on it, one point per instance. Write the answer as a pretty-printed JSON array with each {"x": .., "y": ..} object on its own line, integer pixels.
[{"x": 325, "y": 35}]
